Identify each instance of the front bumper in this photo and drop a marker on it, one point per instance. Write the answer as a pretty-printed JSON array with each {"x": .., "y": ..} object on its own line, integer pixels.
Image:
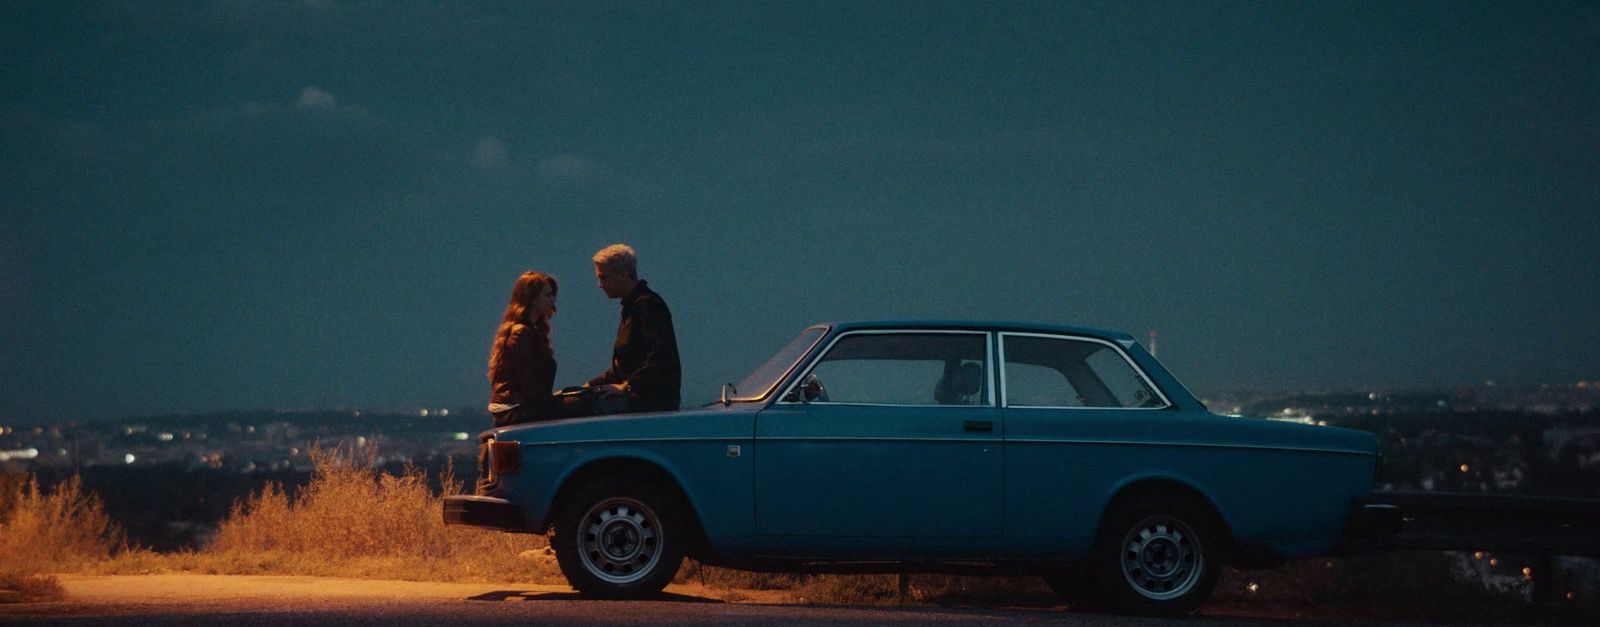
[{"x": 484, "y": 511}]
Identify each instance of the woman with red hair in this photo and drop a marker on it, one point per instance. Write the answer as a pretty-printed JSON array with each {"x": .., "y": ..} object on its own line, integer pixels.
[{"x": 522, "y": 366}]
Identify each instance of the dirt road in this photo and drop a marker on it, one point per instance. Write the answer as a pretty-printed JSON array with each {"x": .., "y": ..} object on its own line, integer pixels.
[
  {"x": 237, "y": 601},
  {"x": 241, "y": 601}
]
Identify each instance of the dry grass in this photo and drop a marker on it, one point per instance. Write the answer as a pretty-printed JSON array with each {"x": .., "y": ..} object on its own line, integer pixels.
[
  {"x": 56, "y": 530},
  {"x": 823, "y": 589},
  {"x": 877, "y": 589},
  {"x": 351, "y": 521},
  {"x": 43, "y": 532},
  {"x": 29, "y": 588}
]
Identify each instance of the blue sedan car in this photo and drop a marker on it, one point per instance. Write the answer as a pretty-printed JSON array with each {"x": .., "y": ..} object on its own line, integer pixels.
[{"x": 960, "y": 447}]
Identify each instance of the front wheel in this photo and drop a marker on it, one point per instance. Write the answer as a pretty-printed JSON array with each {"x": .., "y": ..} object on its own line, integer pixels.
[
  {"x": 615, "y": 540},
  {"x": 1157, "y": 556}
]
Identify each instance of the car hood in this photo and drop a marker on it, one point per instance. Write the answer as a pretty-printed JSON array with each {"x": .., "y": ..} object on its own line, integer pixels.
[{"x": 715, "y": 421}]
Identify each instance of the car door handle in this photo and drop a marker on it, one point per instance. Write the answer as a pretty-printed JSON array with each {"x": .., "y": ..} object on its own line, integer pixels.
[{"x": 980, "y": 426}]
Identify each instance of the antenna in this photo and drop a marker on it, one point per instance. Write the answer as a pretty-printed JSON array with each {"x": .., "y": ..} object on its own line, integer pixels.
[{"x": 1152, "y": 342}]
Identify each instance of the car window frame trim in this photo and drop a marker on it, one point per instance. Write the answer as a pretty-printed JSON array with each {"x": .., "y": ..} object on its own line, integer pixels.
[
  {"x": 988, "y": 356},
  {"x": 1005, "y": 401}
]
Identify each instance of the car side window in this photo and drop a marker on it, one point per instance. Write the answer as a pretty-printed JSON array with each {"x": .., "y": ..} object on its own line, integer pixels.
[
  {"x": 1063, "y": 372},
  {"x": 1038, "y": 386},
  {"x": 904, "y": 369}
]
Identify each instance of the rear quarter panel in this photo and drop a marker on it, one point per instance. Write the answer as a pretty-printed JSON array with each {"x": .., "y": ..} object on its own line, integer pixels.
[{"x": 1281, "y": 486}]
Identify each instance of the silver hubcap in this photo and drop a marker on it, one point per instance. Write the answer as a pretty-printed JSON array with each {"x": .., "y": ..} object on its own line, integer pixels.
[
  {"x": 1162, "y": 558},
  {"x": 620, "y": 540}
]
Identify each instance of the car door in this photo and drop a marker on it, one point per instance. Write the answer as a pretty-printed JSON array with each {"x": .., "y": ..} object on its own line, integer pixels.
[
  {"x": 887, "y": 434},
  {"x": 1080, "y": 417}
]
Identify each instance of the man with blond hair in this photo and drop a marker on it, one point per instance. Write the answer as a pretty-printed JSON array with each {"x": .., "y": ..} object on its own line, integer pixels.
[{"x": 644, "y": 360}]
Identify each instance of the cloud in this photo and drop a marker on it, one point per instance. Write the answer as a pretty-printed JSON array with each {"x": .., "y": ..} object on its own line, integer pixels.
[
  {"x": 490, "y": 153},
  {"x": 313, "y": 98},
  {"x": 567, "y": 167}
]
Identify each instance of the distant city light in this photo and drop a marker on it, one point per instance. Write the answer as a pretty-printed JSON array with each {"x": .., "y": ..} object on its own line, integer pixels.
[
  {"x": 361, "y": 440},
  {"x": 424, "y": 412},
  {"x": 164, "y": 437},
  {"x": 444, "y": 412},
  {"x": 1571, "y": 595},
  {"x": 128, "y": 459},
  {"x": 27, "y": 453},
  {"x": 1493, "y": 562},
  {"x": 1527, "y": 572},
  {"x": 461, "y": 436},
  {"x": 1477, "y": 555},
  {"x": 1465, "y": 468},
  {"x": 1253, "y": 587}
]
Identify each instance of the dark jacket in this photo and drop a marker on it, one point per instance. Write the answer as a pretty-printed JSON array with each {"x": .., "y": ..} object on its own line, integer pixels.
[
  {"x": 645, "y": 354},
  {"x": 525, "y": 374}
]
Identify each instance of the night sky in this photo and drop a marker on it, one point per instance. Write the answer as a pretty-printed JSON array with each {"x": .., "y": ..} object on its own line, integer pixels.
[{"x": 252, "y": 205}]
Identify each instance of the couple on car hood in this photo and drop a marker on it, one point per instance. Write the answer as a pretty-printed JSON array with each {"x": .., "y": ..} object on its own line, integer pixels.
[{"x": 644, "y": 373}]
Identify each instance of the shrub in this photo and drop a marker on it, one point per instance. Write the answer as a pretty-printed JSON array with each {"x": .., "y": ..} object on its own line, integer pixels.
[
  {"x": 42, "y": 531},
  {"x": 55, "y": 530},
  {"x": 351, "y": 520}
]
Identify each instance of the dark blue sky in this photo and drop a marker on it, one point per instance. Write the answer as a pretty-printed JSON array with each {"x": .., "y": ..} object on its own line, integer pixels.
[{"x": 233, "y": 205}]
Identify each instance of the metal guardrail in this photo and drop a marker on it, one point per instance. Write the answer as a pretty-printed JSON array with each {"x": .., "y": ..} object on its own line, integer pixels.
[{"x": 1493, "y": 522}]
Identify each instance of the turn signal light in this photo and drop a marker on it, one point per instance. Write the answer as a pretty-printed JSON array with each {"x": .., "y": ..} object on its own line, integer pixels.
[{"x": 505, "y": 458}]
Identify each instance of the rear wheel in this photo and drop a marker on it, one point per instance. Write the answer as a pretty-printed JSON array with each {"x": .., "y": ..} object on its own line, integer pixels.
[
  {"x": 1156, "y": 556},
  {"x": 616, "y": 540}
]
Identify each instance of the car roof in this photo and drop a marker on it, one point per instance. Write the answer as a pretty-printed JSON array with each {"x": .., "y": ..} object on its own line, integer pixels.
[{"x": 980, "y": 325}]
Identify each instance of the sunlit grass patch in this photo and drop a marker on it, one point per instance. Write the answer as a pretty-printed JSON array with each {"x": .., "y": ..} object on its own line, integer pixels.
[
  {"x": 352, "y": 521},
  {"x": 44, "y": 531},
  {"x": 22, "y": 587},
  {"x": 61, "y": 529}
]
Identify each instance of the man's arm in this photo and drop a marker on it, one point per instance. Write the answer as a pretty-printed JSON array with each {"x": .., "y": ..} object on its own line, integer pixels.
[
  {"x": 609, "y": 376},
  {"x": 661, "y": 347}
]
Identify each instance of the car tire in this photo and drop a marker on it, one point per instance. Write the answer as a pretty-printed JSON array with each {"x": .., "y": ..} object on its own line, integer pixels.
[
  {"x": 618, "y": 540},
  {"x": 1156, "y": 555}
]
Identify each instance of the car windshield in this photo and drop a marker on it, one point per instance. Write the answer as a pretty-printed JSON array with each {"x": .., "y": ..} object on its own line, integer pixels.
[{"x": 759, "y": 383}]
